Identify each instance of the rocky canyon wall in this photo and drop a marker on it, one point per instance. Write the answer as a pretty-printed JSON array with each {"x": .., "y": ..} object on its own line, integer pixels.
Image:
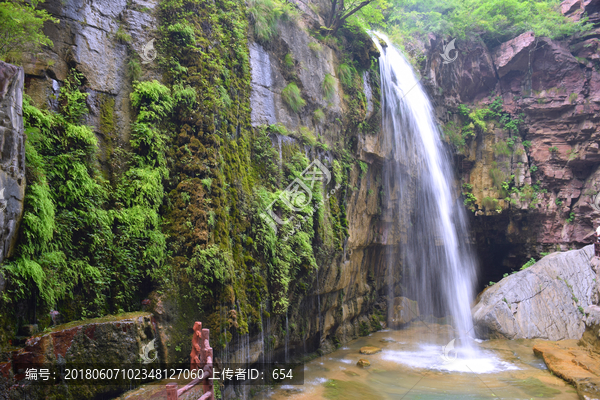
[
  {"x": 12, "y": 159},
  {"x": 343, "y": 295},
  {"x": 536, "y": 188},
  {"x": 112, "y": 45}
]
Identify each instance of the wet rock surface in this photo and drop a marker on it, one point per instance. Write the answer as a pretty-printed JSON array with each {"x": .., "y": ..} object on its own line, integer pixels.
[
  {"x": 115, "y": 341},
  {"x": 363, "y": 363},
  {"x": 546, "y": 300},
  {"x": 346, "y": 292},
  {"x": 576, "y": 365},
  {"x": 12, "y": 158},
  {"x": 591, "y": 336},
  {"x": 405, "y": 311},
  {"x": 370, "y": 350}
]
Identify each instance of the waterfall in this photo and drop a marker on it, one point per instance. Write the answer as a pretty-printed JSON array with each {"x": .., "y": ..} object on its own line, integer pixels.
[{"x": 438, "y": 268}]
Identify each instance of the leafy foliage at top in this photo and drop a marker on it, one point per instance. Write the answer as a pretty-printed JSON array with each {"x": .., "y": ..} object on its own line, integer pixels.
[
  {"x": 21, "y": 27},
  {"x": 494, "y": 21},
  {"x": 367, "y": 11}
]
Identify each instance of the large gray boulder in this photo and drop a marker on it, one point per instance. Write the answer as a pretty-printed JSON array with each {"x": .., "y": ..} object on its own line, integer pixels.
[
  {"x": 12, "y": 157},
  {"x": 546, "y": 300}
]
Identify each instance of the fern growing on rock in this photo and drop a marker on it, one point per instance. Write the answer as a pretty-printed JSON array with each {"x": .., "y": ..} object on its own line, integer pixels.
[{"x": 292, "y": 97}]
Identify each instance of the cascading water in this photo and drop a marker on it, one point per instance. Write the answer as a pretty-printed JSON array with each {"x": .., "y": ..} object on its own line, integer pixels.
[{"x": 439, "y": 270}]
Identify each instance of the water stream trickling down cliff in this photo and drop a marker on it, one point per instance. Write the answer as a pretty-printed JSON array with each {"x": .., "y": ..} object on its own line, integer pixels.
[{"x": 439, "y": 269}]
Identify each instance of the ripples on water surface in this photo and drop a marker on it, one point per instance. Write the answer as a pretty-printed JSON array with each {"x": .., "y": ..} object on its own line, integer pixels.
[{"x": 409, "y": 369}]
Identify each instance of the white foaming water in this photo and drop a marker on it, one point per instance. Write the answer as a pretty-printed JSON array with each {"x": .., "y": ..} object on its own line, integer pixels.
[
  {"x": 317, "y": 381},
  {"x": 438, "y": 267},
  {"x": 469, "y": 361}
]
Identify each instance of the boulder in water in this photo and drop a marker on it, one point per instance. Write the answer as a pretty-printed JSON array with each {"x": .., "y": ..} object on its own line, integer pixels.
[
  {"x": 368, "y": 350},
  {"x": 363, "y": 363},
  {"x": 545, "y": 301},
  {"x": 405, "y": 311},
  {"x": 591, "y": 336}
]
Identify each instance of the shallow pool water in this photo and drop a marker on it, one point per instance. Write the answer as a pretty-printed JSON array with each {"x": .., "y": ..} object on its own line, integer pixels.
[{"x": 413, "y": 365}]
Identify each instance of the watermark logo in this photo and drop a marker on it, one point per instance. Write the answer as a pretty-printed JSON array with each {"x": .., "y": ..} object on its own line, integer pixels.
[
  {"x": 450, "y": 353},
  {"x": 446, "y": 54},
  {"x": 595, "y": 204},
  {"x": 148, "y": 52},
  {"x": 298, "y": 194},
  {"x": 145, "y": 354}
]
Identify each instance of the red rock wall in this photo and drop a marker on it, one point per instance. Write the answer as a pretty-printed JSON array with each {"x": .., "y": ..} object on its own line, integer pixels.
[{"x": 556, "y": 85}]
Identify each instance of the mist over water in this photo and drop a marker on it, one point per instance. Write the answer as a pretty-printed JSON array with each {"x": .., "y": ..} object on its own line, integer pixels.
[{"x": 438, "y": 269}]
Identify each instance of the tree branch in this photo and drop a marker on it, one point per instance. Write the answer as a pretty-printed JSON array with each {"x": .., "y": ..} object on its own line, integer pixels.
[
  {"x": 341, "y": 19},
  {"x": 332, "y": 14},
  {"x": 361, "y": 5}
]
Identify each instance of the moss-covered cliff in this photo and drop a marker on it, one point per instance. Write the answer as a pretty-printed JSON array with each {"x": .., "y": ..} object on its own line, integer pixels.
[{"x": 147, "y": 177}]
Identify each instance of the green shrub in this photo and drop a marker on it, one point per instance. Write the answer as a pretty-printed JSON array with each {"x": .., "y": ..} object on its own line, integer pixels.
[
  {"x": 463, "y": 110},
  {"x": 208, "y": 270},
  {"x": 346, "y": 74},
  {"x": 528, "y": 264},
  {"x": 152, "y": 99},
  {"x": 501, "y": 148},
  {"x": 181, "y": 34},
  {"x": 265, "y": 15},
  {"x": 329, "y": 86},
  {"x": 291, "y": 96},
  {"x": 316, "y": 47},
  {"x": 278, "y": 128},
  {"x": 134, "y": 69},
  {"x": 490, "y": 204},
  {"x": 573, "y": 98},
  {"x": 288, "y": 61},
  {"x": 122, "y": 36},
  {"x": 364, "y": 167},
  {"x": 21, "y": 24},
  {"x": 453, "y": 134},
  {"x": 80, "y": 252},
  {"x": 497, "y": 177},
  {"x": 207, "y": 183},
  {"x": 470, "y": 200},
  {"x": 308, "y": 136},
  {"x": 493, "y": 21},
  {"x": 319, "y": 115},
  {"x": 364, "y": 329}
]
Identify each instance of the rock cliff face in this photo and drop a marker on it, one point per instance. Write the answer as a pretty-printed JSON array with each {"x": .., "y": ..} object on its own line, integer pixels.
[
  {"x": 103, "y": 40},
  {"x": 12, "y": 158},
  {"x": 555, "y": 85},
  {"x": 545, "y": 301},
  {"x": 109, "y": 341},
  {"x": 552, "y": 162},
  {"x": 345, "y": 292}
]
